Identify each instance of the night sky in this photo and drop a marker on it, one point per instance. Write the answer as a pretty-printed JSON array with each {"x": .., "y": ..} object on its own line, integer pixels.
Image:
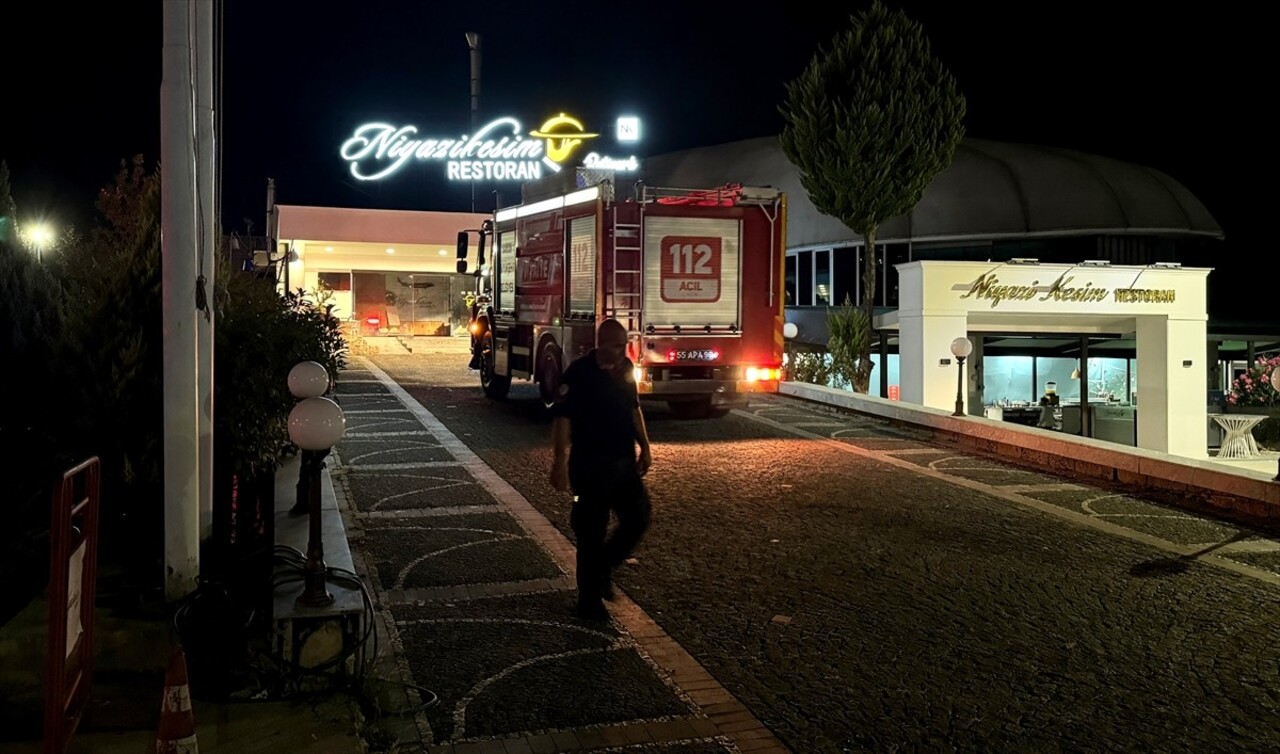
[{"x": 1178, "y": 91}]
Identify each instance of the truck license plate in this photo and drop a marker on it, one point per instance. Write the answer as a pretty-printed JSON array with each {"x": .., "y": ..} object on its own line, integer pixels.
[{"x": 704, "y": 355}]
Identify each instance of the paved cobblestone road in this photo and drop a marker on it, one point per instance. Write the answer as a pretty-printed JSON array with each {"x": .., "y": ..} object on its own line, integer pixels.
[{"x": 860, "y": 589}]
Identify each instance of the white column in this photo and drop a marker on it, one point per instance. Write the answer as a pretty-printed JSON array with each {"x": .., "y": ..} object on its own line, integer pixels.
[
  {"x": 178, "y": 296},
  {"x": 207, "y": 207},
  {"x": 924, "y": 342},
  {"x": 1171, "y": 390}
]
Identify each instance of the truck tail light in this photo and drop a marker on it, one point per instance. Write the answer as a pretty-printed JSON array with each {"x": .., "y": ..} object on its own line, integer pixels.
[
  {"x": 762, "y": 374},
  {"x": 375, "y": 321}
]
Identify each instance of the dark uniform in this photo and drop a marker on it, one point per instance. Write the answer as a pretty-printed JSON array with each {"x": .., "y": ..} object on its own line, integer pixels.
[{"x": 602, "y": 468}]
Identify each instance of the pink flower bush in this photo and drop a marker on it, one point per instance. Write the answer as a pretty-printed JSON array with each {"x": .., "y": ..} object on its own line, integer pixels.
[{"x": 1253, "y": 388}]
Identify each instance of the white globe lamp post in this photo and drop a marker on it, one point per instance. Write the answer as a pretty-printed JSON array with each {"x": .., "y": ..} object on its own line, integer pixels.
[
  {"x": 316, "y": 424},
  {"x": 960, "y": 348},
  {"x": 789, "y": 332}
]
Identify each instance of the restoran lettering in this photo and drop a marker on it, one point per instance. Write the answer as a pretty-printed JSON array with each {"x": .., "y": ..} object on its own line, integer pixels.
[{"x": 1145, "y": 296}]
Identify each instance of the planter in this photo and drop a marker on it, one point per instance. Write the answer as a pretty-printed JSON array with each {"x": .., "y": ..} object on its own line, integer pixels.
[{"x": 1253, "y": 410}]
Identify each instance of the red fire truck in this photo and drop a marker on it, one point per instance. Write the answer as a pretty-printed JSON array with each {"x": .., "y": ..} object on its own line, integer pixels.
[{"x": 695, "y": 275}]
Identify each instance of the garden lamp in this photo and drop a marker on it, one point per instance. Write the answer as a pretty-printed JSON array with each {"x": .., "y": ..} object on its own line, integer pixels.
[
  {"x": 315, "y": 425},
  {"x": 960, "y": 348}
]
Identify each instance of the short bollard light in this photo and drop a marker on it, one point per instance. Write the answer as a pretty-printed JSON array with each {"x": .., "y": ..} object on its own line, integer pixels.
[
  {"x": 1275, "y": 383},
  {"x": 960, "y": 348},
  {"x": 316, "y": 424}
]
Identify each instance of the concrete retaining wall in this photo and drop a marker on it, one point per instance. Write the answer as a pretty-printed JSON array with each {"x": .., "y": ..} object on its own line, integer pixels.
[{"x": 1244, "y": 495}]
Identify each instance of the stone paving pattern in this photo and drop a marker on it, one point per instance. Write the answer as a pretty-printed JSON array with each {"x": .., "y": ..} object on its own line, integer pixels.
[
  {"x": 482, "y": 614},
  {"x": 859, "y": 588}
]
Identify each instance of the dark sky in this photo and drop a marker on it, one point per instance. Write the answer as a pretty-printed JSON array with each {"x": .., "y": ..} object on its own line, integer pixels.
[{"x": 1177, "y": 91}]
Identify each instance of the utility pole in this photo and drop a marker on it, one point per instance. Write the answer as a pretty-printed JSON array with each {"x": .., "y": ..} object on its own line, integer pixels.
[
  {"x": 207, "y": 226},
  {"x": 179, "y": 269},
  {"x": 473, "y": 42}
]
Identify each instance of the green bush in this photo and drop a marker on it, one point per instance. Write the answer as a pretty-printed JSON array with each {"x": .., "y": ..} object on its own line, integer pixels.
[
  {"x": 811, "y": 367},
  {"x": 34, "y": 423},
  {"x": 113, "y": 284},
  {"x": 848, "y": 331},
  {"x": 260, "y": 336}
]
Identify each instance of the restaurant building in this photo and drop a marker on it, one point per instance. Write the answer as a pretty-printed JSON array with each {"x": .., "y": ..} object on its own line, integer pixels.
[{"x": 1060, "y": 267}]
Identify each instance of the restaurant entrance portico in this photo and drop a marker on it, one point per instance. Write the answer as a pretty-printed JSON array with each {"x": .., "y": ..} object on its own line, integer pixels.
[{"x": 1161, "y": 307}]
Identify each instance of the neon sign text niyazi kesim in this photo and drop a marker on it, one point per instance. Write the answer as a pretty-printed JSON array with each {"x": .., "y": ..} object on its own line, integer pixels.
[{"x": 500, "y": 150}]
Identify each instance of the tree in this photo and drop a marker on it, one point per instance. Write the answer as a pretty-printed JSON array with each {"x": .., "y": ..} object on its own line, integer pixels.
[
  {"x": 8, "y": 211},
  {"x": 869, "y": 123}
]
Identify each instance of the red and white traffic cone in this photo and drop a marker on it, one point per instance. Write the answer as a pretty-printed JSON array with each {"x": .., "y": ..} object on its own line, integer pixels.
[{"x": 177, "y": 723}]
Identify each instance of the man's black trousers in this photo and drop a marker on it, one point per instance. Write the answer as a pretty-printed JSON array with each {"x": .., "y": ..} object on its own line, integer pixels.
[{"x": 601, "y": 487}]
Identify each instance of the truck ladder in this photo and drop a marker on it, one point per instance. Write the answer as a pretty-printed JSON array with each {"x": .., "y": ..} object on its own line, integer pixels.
[{"x": 624, "y": 294}]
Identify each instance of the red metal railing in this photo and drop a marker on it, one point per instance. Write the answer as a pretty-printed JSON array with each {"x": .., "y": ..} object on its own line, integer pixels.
[{"x": 73, "y": 545}]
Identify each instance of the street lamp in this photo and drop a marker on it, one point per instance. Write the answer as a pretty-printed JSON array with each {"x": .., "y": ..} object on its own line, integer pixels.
[
  {"x": 315, "y": 424},
  {"x": 789, "y": 331},
  {"x": 40, "y": 237},
  {"x": 960, "y": 348}
]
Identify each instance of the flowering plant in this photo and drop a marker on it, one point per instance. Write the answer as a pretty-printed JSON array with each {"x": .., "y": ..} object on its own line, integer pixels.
[{"x": 1253, "y": 388}]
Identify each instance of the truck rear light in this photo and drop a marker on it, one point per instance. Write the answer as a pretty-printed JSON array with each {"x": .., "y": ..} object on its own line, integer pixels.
[
  {"x": 373, "y": 321},
  {"x": 762, "y": 374}
]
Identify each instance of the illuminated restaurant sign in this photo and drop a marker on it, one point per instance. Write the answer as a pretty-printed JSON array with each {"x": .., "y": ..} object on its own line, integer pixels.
[
  {"x": 989, "y": 288},
  {"x": 498, "y": 151}
]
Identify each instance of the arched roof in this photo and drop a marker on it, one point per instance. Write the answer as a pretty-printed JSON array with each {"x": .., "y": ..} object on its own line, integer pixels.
[{"x": 991, "y": 190}]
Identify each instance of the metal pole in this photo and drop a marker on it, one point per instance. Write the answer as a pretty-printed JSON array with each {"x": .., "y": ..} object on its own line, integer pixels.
[
  {"x": 959, "y": 387},
  {"x": 315, "y": 592},
  {"x": 473, "y": 42}
]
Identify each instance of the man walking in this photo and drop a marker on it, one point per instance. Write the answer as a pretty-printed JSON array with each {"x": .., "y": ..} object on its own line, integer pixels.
[{"x": 596, "y": 427}]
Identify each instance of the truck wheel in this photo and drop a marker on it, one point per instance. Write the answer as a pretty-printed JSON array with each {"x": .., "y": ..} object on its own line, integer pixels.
[
  {"x": 495, "y": 386},
  {"x": 549, "y": 375}
]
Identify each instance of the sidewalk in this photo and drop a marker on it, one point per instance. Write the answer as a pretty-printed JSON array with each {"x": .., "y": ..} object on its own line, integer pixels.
[
  {"x": 475, "y": 593},
  {"x": 123, "y": 714}
]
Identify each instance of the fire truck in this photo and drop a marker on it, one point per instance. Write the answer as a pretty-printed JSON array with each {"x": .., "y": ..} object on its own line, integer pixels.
[{"x": 695, "y": 275}]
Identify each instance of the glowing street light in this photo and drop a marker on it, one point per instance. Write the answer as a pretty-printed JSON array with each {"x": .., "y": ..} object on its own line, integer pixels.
[{"x": 40, "y": 237}]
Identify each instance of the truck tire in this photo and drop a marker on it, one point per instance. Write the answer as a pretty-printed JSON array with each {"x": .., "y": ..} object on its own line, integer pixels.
[
  {"x": 495, "y": 386},
  {"x": 549, "y": 375}
]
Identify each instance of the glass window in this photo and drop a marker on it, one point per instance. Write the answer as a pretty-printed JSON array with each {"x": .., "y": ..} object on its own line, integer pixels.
[
  {"x": 1108, "y": 379},
  {"x": 844, "y": 275},
  {"x": 1007, "y": 379},
  {"x": 789, "y": 283},
  {"x": 822, "y": 278},
  {"x": 894, "y": 378},
  {"x": 1054, "y": 369},
  {"x": 1133, "y": 379},
  {"x": 336, "y": 281},
  {"x": 804, "y": 276}
]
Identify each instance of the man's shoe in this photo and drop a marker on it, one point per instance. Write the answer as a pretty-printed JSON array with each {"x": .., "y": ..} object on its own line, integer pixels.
[{"x": 592, "y": 611}]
